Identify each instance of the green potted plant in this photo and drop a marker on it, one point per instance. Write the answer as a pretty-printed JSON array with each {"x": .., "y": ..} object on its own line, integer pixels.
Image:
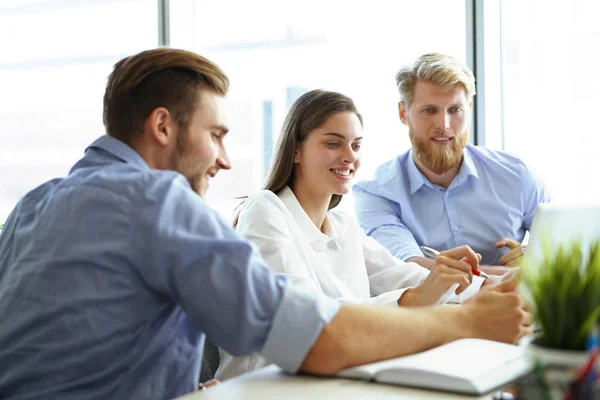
[{"x": 563, "y": 286}]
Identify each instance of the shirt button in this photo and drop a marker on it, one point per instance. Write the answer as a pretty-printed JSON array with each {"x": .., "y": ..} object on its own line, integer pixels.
[{"x": 456, "y": 229}]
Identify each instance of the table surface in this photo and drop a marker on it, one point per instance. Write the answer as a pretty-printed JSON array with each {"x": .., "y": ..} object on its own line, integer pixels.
[{"x": 272, "y": 383}]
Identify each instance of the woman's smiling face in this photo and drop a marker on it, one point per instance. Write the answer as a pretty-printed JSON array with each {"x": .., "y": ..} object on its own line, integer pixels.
[{"x": 328, "y": 159}]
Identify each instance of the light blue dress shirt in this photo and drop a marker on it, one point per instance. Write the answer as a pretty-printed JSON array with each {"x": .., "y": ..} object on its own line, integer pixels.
[
  {"x": 494, "y": 195},
  {"x": 110, "y": 277}
]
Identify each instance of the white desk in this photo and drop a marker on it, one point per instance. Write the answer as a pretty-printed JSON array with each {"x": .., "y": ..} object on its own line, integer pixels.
[{"x": 271, "y": 383}]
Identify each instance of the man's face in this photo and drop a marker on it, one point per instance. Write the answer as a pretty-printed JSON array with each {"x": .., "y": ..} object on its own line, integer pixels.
[
  {"x": 438, "y": 124},
  {"x": 199, "y": 152}
]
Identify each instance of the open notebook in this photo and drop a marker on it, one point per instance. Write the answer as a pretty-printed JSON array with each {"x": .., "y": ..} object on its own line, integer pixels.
[{"x": 470, "y": 366}]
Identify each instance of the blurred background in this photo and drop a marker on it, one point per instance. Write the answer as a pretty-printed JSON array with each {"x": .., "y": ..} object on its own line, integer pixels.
[{"x": 535, "y": 64}]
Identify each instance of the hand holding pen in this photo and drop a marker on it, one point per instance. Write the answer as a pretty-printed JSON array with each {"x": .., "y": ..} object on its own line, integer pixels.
[
  {"x": 452, "y": 269},
  {"x": 433, "y": 254}
]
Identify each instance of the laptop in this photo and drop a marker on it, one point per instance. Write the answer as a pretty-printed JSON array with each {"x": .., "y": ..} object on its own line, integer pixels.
[{"x": 556, "y": 225}]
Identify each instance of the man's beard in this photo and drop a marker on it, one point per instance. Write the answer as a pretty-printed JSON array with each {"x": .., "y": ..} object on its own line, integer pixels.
[
  {"x": 439, "y": 159},
  {"x": 180, "y": 163}
]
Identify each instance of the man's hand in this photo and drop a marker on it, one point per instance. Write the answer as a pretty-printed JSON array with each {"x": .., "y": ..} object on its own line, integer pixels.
[
  {"x": 454, "y": 266},
  {"x": 497, "y": 312},
  {"x": 514, "y": 257}
]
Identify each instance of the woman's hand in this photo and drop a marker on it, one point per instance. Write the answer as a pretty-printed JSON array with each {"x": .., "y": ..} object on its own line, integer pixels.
[{"x": 454, "y": 266}]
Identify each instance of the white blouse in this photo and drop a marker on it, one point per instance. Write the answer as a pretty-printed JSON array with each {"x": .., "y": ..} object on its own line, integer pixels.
[{"x": 342, "y": 262}]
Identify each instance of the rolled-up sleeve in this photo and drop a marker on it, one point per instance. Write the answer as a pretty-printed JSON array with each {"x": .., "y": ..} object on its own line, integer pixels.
[{"x": 301, "y": 316}]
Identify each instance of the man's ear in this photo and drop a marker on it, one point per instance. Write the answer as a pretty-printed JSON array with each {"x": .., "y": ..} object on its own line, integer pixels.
[
  {"x": 402, "y": 112},
  {"x": 161, "y": 126}
]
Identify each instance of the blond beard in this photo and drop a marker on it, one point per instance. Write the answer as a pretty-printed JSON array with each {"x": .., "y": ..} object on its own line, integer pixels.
[{"x": 439, "y": 159}]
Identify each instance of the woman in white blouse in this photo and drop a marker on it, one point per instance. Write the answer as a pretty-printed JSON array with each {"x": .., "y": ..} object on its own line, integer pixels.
[{"x": 300, "y": 234}]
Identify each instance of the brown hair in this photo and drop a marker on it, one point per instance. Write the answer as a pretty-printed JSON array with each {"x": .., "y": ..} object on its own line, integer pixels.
[
  {"x": 309, "y": 111},
  {"x": 161, "y": 77},
  {"x": 439, "y": 69}
]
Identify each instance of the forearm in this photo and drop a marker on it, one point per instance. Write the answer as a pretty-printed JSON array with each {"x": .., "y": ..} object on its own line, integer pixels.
[
  {"x": 423, "y": 262},
  {"x": 363, "y": 334}
]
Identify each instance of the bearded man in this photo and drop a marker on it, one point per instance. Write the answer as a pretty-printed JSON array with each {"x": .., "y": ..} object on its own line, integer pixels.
[{"x": 445, "y": 192}]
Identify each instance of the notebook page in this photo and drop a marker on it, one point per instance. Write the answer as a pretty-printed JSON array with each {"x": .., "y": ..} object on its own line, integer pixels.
[{"x": 466, "y": 358}]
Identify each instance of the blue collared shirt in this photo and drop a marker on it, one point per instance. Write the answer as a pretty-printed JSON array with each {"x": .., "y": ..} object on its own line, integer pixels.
[
  {"x": 110, "y": 277},
  {"x": 494, "y": 195}
]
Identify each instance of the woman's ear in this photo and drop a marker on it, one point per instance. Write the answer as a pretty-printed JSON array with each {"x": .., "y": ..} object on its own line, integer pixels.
[{"x": 296, "y": 160}]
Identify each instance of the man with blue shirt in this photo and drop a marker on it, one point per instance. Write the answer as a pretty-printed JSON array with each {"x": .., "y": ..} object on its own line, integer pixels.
[
  {"x": 444, "y": 192},
  {"x": 111, "y": 277}
]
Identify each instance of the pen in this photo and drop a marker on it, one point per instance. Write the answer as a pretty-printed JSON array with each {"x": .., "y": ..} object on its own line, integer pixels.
[{"x": 428, "y": 252}]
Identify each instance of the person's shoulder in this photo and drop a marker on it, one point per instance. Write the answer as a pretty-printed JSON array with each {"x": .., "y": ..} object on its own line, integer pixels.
[
  {"x": 264, "y": 199},
  {"x": 165, "y": 192},
  {"x": 32, "y": 198},
  {"x": 42, "y": 190},
  {"x": 159, "y": 182},
  {"x": 505, "y": 167},
  {"x": 126, "y": 181},
  {"x": 390, "y": 169},
  {"x": 495, "y": 156},
  {"x": 169, "y": 204},
  {"x": 501, "y": 159},
  {"x": 261, "y": 205}
]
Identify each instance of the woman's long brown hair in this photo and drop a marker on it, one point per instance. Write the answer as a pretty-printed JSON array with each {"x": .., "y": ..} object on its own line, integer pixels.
[{"x": 308, "y": 113}]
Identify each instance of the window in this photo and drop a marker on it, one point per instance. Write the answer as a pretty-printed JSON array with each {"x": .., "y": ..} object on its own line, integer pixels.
[
  {"x": 551, "y": 86},
  {"x": 56, "y": 55},
  {"x": 273, "y": 51}
]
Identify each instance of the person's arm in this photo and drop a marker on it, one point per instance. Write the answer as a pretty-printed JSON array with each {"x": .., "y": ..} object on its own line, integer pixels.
[
  {"x": 533, "y": 193},
  {"x": 389, "y": 278},
  {"x": 422, "y": 261},
  {"x": 359, "y": 335},
  {"x": 387, "y": 273},
  {"x": 263, "y": 221},
  {"x": 194, "y": 259},
  {"x": 380, "y": 219}
]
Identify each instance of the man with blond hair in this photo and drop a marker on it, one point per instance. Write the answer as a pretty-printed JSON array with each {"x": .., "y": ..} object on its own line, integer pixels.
[
  {"x": 444, "y": 192},
  {"x": 111, "y": 277}
]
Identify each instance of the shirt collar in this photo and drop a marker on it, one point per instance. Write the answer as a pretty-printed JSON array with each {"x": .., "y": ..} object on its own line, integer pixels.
[
  {"x": 309, "y": 229},
  {"x": 468, "y": 166},
  {"x": 467, "y": 169},
  {"x": 417, "y": 179},
  {"x": 120, "y": 150}
]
